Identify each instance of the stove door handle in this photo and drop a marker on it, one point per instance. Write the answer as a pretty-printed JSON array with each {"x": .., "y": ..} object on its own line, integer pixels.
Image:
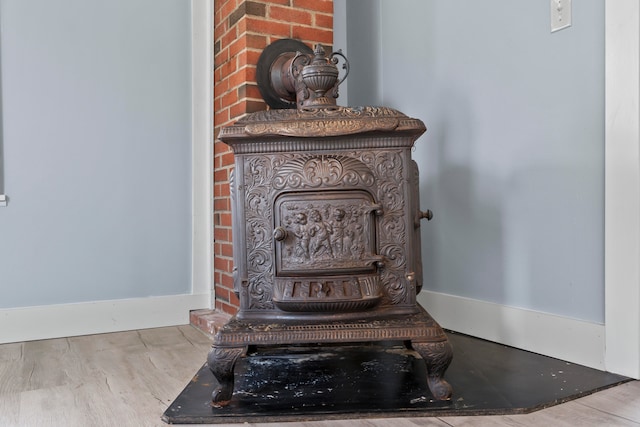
[
  {"x": 376, "y": 209},
  {"x": 428, "y": 215},
  {"x": 279, "y": 234},
  {"x": 377, "y": 261}
]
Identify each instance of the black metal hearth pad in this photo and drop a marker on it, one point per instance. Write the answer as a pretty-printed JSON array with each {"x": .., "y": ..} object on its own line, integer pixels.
[{"x": 300, "y": 383}]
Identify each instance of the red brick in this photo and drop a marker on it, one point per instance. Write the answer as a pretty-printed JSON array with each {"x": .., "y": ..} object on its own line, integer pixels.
[
  {"x": 221, "y": 85},
  {"x": 280, "y": 2},
  {"x": 227, "y": 280},
  {"x": 227, "y": 9},
  {"x": 238, "y": 109},
  {"x": 315, "y": 34},
  {"x": 219, "y": 31},
  {"x": 233, "y": 299},
  {"x": 229, "y": 37},
  {"x": 220, "y": 148},
  {"x": 253, "y": 106},
  {"x": 324, "y": 21},
  {"x": 221, "y": 264},
  {"x": 224, "y": 188},
  {"x": 247, "y": 8},
  {"x": 256, "y": 41},
  {"x": 250, "y": 74},
  {"x": 237, "y": 46},
  {"x": 217, "y": 103},
  {"x": 264, "y": 26},
  {"x": 221, "y": 58},
  {"x": 224, "y": 276},
  {"x": 222, "y": 205},
  {"x": 230, "y": 98},
  {"x": 226, "y": 249},
  {"x": 221, "y": 116},
  {"x": 249, "y": 91},
  {"x": 319, "y": 5},
  {"x": 217, "y": 190},
  {"x": 227, "y": 159},
  {"x": 222, "y": 294},
  {"x": 225, "y": 219},
  {"x": 227, "y": 308},
  {"x": 221, "y": 234},
  {"x": 228, "y": 68},
  {"x": 248, "y": 57},
  {"x": 290, "y": 15},
  {"x": 220, "y": 175},
  {"x": 238, "y": 78}
]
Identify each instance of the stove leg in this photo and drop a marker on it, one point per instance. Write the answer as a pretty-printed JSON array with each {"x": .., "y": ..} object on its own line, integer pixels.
[
  {"x": 437, "y": 356},
  {"x": 221, "y": 361}
]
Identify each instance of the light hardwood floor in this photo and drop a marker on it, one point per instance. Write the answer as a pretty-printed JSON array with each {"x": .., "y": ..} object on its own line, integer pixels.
[{"x": 130, "y": 378}]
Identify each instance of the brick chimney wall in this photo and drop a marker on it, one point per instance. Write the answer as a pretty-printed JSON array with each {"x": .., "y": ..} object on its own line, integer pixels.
[{"x": 242, "y": 29}]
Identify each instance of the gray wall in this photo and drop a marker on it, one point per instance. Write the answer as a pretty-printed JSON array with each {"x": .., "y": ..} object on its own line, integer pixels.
[
  {"x": 513, "y": 161},
  {"x": 96, "y": 141}
]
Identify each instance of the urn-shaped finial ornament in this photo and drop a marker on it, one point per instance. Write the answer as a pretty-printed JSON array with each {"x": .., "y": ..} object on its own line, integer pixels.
[
  {"x": 317, "y": 78},
  {"x": 300, "y": 78}
]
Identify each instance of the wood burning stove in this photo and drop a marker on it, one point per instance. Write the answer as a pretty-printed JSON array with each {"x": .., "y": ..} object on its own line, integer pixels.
[{"x": 326, "y": 226}]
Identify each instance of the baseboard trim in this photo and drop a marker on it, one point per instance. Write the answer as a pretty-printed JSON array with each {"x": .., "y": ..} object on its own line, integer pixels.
[
  {"x": 65, "y": 320},
  {"x": 564, "y": 338}
]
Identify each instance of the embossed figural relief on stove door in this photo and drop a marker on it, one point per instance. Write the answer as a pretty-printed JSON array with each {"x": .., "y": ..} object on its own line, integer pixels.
[
  {"x": 326, "y": 253},
  {"x": 326, "y": 232}
]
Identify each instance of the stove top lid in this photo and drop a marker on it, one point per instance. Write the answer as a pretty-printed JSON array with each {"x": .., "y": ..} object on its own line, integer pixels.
[{"x": 321, "y": 122}]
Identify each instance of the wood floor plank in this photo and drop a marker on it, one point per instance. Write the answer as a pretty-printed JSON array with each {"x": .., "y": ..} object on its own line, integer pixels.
[
  {"x": 569, "y": 414},
  {"x": 195, "y": 336},
  {"x": 623, "y": 401},
  {"x": 11, "y": 352},
  {"x": 376, "y": 422},
  {"x": 88, "y": 345},
  {"x": 408, "y": 422},
  {"x": 10, "y": 382},
  {"x": 49, "y": 363},
  {"x": 9, "y": 408}
]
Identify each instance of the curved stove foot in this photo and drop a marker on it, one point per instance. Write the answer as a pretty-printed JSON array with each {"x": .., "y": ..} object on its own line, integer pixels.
[
  {"x": 437, "y": 356},
  {"x": 221, "y": 361}
]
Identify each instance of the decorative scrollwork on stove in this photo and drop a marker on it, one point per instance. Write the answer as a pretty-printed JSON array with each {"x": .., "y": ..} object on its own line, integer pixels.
[
  {"x": 260, "y": 264},
  {"x": 395, "y": 287},
  {"x": 392, "y": 236},
  {"x": 268, "y": 116},
  {"x": 314, "y": 171},
  {"x": 321, "y": 121},
  {"x": 258, "y": 171}
]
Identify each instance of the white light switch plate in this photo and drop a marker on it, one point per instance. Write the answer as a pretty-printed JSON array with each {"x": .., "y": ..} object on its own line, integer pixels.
[{"x": 560, "y": 14}]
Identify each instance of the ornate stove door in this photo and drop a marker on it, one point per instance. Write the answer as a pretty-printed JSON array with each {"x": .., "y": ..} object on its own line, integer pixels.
[{"x": 325, "y": 248}]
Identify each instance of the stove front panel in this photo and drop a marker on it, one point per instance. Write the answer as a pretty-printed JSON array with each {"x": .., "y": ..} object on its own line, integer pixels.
[{"x": 325, "y": 232}]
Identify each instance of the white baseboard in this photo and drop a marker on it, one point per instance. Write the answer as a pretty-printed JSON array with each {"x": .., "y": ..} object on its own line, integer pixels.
[
  {"x": 560, "y": 337},
  {"x": 65, "y": 320}
]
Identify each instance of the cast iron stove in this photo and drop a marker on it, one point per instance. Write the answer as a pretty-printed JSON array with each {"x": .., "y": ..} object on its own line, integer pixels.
[{"x": 326, "y": 226}]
